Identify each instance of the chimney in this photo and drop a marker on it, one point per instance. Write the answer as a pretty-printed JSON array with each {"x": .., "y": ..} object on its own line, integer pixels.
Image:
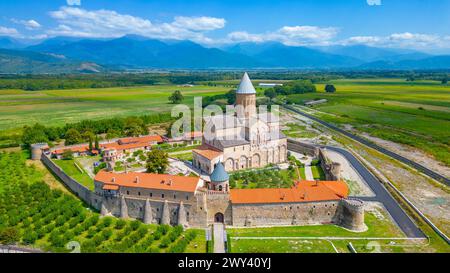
[
  {"x": 113, "y": 180},
  {"x": 170, "y": 182},
  {"x": 136, "y": 180}
]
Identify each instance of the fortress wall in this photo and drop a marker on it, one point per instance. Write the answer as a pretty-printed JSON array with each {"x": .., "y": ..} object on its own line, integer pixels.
[
  {"x": 302, "y": 148},
  {"x": 285, "y": 214},
  {"x": 81, "y": 191},
  {"x": 331, "y": 169},
  {"x": 136, "y": 209}
]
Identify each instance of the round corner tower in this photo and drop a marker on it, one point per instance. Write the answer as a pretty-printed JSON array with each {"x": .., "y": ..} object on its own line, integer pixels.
[
  {"x": 246, "y": 98},
  {"x": 37, "y": 149},
  {"x": 353, "y": 214}
]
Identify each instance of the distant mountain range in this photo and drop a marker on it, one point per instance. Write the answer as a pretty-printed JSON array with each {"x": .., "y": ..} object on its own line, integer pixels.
[{"x": 63, "y": 54}]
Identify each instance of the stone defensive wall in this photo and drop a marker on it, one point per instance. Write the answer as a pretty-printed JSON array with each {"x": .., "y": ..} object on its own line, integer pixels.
[
  {"x": 302, "y": 148},
  {"x": 332, "y": 169},
  {"x": 348, "y": 213},
  {"x": 286, "y": 214},
  {"x": 79, "y": 190}
]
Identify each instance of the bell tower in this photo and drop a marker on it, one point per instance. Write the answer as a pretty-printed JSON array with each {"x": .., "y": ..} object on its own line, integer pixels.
[{"x": 246, "y": 98}]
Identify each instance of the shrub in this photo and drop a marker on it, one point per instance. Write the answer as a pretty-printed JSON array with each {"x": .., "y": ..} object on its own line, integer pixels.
[
  {"x": 30, "y": 237},
  {"x": 315, "y": 162},
  {"x": 163, "y": 229},
  {"x": 9, "y": 235},
  {"x": 165, "y": 242},
  {"x": 135, "y": 224},
  {"x": 120, "y": 224}
]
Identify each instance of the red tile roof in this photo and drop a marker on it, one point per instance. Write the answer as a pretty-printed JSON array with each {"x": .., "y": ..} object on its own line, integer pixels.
[
  {"x": 133, "y": 142},
  {"x": 193, "y": 135},
  {"x": 304, "y": 191},
  {"x": 110, "y": 187},
  {"x": 207, "y": 152},
  {"x": 75, "y": 149},
  {"x": 149, "y": 181},
  {"x": 142, "y": 139}
]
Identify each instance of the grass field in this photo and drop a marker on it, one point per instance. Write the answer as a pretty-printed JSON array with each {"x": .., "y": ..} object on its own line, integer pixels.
[
  {"x": 71, "y": 170},
  {"x": 307, "y": 239},
  {"x": 416, "y": 114},
  {"x": 57, "y": 107}
]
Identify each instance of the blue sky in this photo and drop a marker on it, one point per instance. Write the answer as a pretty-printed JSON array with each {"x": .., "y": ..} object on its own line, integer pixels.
[{"x": 416, "y": 24}]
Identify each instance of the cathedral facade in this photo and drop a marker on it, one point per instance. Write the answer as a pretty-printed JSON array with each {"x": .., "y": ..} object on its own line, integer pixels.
[{"x": 246, "y": 139}]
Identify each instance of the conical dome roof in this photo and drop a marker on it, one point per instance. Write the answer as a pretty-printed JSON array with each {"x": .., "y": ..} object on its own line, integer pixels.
[
  {"x": 246, "y": 86},
  {"x": 219, "y": 174}
]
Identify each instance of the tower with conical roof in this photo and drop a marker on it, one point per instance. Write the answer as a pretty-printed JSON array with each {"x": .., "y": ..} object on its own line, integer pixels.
[
  {"x": 219, "y": 179},
  {"x": 246, "y": 98}
]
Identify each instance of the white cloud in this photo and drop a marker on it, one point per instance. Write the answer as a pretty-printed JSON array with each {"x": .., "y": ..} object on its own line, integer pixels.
[
  {"x": 199, "y": 23},
  {"x": 29, "y": 24},
  {"x": 8, "y": 31},
  {"x": 74, "y": 2},
  {"x": 401, "y": 40},
  {"x": 289, "y": 35},
  {"x": 108, "y": 24}
]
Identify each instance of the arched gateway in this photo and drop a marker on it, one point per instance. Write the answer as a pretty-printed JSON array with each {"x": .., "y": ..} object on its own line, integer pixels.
[{"x": 218, "y": 217}]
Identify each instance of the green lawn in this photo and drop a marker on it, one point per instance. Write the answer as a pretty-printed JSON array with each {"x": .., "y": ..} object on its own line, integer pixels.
[
  {"x": 281, "y": 246},
  {"x": 264, "y": 179},
  {"x": 416, "y": 114},
  {"x": 183, "y": 156},
  {"x": 71, "y": 170},
  {"x": 376, "y": 228},
  {"x": 318, "y": 172},
  {"x": 58, "y": 107}
]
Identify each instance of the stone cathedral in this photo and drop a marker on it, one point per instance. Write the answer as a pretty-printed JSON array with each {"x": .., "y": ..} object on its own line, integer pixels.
[{"x": 247, "y": 139}]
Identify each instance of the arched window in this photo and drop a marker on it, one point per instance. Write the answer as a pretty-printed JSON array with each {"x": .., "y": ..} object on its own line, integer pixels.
[{"x": 220, "y": 187}]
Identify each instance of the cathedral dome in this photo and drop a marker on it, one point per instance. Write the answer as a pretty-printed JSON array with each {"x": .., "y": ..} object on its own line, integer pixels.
[
  {"x": 246, "y": 86},
  {"x": 219, "y": 174}
]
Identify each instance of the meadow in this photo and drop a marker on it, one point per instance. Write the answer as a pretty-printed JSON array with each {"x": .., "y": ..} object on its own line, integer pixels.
[
  {"x": 412, "y": 113},
  {"x": 58, "y": 107},
  {"x": 316, "y": 239}
]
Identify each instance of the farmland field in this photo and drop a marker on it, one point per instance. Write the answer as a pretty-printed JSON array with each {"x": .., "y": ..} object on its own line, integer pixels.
[
  {"x": 35, "y": 215},
  {"x": 416, "y": 114},
  {"x": 58, "y": 107}
]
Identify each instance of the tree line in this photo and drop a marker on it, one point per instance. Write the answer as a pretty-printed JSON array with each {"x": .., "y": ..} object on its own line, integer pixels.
[
  {"x": 74, "y": 81},
  {"x": 88, "y": 130}
]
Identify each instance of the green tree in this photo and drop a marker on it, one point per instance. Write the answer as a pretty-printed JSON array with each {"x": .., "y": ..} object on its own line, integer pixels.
[
  {"x": 97, "y": 145},
  {"x": 9, "y": 235},
  {"x": 231, "y": 97},
  {"x": 111, "y": 133},
  {"x": 444, "y": 81},
  {"x": 135, "y": 126},
  {"x": 72, "y": 136},
  {"x": 34, "y": 134},
  {"x": 329, "y": 88},
  {"x": 91, "y": 146},
  {"x": 157, "y": 161},
  {"x": 67, "y": 155},
  {"x": 176, "y": 97},
  {"x": 270, "y": 93}
]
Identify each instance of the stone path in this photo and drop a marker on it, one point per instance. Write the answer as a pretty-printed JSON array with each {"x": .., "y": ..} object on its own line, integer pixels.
[
  {"x": 308, "y": 173},
  {"x": 219, "y": 238}
]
